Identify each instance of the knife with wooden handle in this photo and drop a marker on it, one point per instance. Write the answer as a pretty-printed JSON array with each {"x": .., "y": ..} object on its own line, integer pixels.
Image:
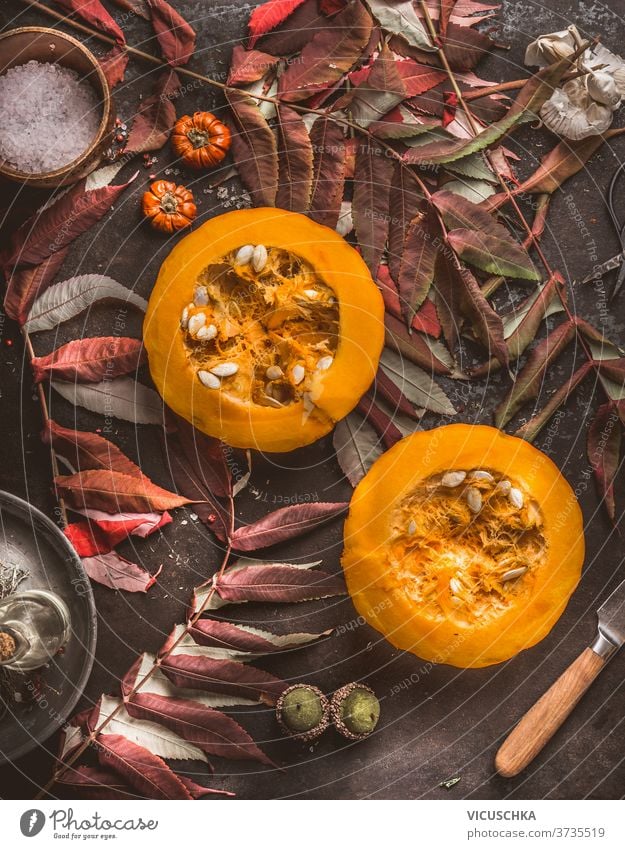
[{"x": 542, "y": 720}]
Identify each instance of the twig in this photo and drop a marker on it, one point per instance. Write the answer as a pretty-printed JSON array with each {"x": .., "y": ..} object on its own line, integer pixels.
[{"x": 46, "y": 419}]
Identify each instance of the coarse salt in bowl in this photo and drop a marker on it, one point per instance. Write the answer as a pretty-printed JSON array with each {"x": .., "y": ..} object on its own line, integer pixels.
[
  {"x": 56, "y": 107},
  {"x": 51, "y": 116}
]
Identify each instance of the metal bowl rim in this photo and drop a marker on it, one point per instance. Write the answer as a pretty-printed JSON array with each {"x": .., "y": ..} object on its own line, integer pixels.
[{"x": 25, "y": 509}]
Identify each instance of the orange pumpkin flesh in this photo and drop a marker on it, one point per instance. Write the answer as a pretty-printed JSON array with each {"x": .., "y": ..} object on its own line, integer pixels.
[
  {"x": 457, "y": 577},
  {"x": 264, "y": 357}
]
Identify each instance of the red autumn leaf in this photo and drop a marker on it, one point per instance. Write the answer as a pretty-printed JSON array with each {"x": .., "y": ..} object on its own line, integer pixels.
[
  {"x": 425, "y": 319},
  {"x": 269, "y": 15},
  {"x": 222, "y": 676},
  {"x": 254, "y": 149},
  {"x": 102, "y": 532},
  {"x": 87, "y": 539},
  {"x": 487, "y": 324},
  {"x": 52, "y": 229},
  {"x": 328, "y": 179},
  {"x": 405, "y": 201},
  {"x": 465, "y": 47},
  {"x": 26, "y": 284},
  {"x": 114, "y": 571},
  {"x": 393, "y": 395},
  {"x": 114, "y": 64},
  {"x": 175, "y": 36},
  {"x": 190, "y": 482},
  {"x": 604, "y": 448},
  {"x": 233, "y": 637},
  {"x": 480, "y": 239},
  {"x": 153, "y": 123},
  {"x": 447, "y": 7},
  {"x": 383, "y": 425},
  {"x": 198, "y": 791},
  {"x": 277, "y": 582},
  {"x": 137, "y": 7},
  {"x": 295, "y": 32},
  {"x": 295, "y": 156},
  {"x": 450, "y": 100},
  {"x": 90, "y": 360},
  {"x": 207, "y": 455},
  {"x": 114, "y": 492},
  {"x": 284, "y": 524},
  {"x": 416, "y": 272},
  {"x": 419, "y": 78},
  {"x": 249, "y": 66},
  {"x": 528, "y": 381},
  {"x": 331, "y": 7},
  {"x": 412, "y": 346},
  {"x": 93, "y": 782},
  {"x": 372, "y": 186},
  {"x": 210, "y": 730},
  {"x": 85, "y": 450},
  {"x": 331, "y": 52},
  {"x": 144, "y": 772},
  {"x": 92, "y": 12}
]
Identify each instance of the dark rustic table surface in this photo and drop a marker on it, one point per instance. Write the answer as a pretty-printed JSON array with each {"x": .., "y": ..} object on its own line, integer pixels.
[{"x": 437, "y": 722}]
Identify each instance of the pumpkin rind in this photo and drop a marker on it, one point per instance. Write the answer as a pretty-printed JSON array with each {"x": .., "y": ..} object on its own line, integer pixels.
[
  {"x": 360, "y": 338},
  {"x": 375, "y": 589}
]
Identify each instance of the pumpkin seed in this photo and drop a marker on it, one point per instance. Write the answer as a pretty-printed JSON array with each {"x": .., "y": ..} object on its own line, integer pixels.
[
  {"x": 298, "y": 374},
  {"x": 274, "y": 373},
  {"x": 209, "y": 331},
  {"x": 474, "y": 499},
  {"x": 511, "y": 574},
  {"x": 311, "y": 293},
  {"x": 225, "y": 369},
  {"x": 412, "y": 527},
  {"x": 259, "y": 258},
  {"x": 184, "y": 318},
  {"x": 324, "y": 363},
  {"x": 244, "y": 255},
  {"x": 196, "y": 321},
  {"x": 455, "y": 586},
  {"x": 452, "y": 479},
  {"x": 209, "y": 380},
  {"x": 481, "y": 475},
  {"x": 504, "y": 487},
  {"x": 516, "y": 497},
  {"x": 200, "y": 296}
]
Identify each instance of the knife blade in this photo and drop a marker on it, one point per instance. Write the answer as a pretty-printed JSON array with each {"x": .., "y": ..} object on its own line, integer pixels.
[
  {"x": 611, "y": 623},
  {"x": 540, "y": 723}
]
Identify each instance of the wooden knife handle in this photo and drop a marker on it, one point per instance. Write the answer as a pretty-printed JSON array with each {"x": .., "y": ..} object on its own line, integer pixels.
[{"x": 542, "y": 720}]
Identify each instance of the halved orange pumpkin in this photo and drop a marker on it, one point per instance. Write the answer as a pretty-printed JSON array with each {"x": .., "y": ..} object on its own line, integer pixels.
[
  {"x": 263, "y": 329},
  {"x": 463, "y": 545}
]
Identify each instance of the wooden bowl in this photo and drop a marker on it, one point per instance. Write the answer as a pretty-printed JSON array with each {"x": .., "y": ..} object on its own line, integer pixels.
[{"x": 18, "y": 46}]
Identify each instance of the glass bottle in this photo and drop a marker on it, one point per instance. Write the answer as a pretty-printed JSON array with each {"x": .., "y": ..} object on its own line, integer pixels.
[{"x": 38, "y": 621}]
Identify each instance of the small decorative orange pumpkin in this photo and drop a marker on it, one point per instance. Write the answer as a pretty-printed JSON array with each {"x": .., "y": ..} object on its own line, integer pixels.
[
  {"x": 169, "y": 207},
  {"x": 463, "y": 545},
  {"x": 202, "y": 141}
]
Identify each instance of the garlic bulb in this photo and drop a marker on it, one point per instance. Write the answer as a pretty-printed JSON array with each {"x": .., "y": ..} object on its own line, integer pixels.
[
  {"x": 572, "y": 121},
  {"x": 602, "y": 88},
  {"x": 552, "y": 47}
]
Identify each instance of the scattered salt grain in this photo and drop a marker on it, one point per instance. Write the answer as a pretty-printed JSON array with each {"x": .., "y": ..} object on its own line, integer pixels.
[{"x": 50, "y": 116}]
